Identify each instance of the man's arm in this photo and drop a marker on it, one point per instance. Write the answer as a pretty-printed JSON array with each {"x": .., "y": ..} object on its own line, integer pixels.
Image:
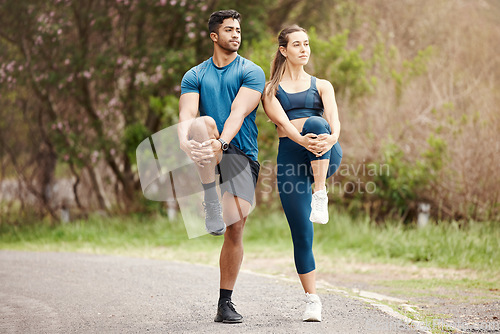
[
  {"x": 188, "y": 110},
  {"x": 245, "y": 102}
]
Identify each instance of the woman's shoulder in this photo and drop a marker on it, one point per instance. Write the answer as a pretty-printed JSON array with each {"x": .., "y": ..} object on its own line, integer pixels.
[
  {"x": 266, "y": 95},
  {"x": 323, "y": 82},
  {"x": 323, "y": 85}
]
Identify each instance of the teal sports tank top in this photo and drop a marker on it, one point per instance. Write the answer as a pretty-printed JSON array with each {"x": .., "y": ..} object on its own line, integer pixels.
[{"x": 302, "y": 104}]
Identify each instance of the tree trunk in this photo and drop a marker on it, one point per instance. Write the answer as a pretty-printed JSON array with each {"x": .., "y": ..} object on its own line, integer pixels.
[{"x": 102, "y": 200}]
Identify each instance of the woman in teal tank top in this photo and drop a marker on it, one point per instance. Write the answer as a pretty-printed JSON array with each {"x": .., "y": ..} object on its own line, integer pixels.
[{"x": 306, "y": 117}]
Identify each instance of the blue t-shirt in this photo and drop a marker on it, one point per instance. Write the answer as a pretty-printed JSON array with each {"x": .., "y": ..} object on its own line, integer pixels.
[{"x": 218, "y": 87}]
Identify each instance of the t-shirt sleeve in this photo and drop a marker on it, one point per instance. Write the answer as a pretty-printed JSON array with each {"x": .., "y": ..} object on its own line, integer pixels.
[
  {"x": 189, "y": 83},
  {"x": 254, "y": 78}
]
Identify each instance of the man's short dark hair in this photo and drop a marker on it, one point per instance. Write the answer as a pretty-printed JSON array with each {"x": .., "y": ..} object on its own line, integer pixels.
[{"x": 218, "y": 17}]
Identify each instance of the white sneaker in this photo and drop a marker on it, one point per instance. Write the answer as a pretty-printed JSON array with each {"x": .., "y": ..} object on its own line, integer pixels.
[
  {"x": 319, "y": 206},
  {"x": 313, "y": 308}
]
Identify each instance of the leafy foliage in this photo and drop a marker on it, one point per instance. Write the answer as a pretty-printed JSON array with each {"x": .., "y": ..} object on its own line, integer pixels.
[
  {"x": 83, "y": 82},
  {"x": 407, "y": 181}
]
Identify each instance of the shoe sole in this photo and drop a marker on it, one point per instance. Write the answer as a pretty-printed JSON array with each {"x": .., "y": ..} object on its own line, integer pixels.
[
  {"x": 216, "y": 233},
  {"x": 318, "y": 221},
  {"x": 229, "y": 321},
  {"x": 232, "y": 322}
]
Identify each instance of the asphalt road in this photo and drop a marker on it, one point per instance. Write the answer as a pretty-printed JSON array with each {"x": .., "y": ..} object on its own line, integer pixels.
[{"x": 80, "y": 293}]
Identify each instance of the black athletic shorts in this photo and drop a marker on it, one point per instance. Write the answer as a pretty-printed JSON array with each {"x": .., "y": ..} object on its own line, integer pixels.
[{"x": 238, "y": 173}]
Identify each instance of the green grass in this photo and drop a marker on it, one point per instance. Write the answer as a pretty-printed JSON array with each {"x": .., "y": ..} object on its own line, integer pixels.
[
  {"x": 132, "y": 235},
  {"x": 462, "y": 284},
  {"x": 475, "y": 246},
  {"x": 434, "y": 322},
  {"x": 461, "y": 290}
]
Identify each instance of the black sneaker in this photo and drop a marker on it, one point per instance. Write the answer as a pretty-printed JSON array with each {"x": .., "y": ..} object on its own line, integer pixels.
[
  {"x": 214, "y": 223},
  {"x": 227, "y": 314}
]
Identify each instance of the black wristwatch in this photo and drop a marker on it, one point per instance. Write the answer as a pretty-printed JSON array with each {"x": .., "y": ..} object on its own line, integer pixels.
[{"x": 224, "y": 144}]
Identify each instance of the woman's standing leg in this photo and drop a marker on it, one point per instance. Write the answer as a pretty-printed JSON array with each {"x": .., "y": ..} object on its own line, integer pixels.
[
  {"x": 294, "y": 186},
  {"x": 308, "y": 282}
]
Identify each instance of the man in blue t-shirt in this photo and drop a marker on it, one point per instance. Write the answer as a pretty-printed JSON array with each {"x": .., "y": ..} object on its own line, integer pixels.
[{"x": 226, "y": 90}]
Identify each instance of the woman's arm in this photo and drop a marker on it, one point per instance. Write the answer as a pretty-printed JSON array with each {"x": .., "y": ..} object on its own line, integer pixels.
[
  {"x": 277, "y": 115},
  {"x": 331, "y": 113}
]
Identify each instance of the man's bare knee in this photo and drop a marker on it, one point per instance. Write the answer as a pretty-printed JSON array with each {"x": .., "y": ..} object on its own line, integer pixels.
[
  {"x": 235, "y": 208},
  {"x": 234, "y": 232},
  {"x": 203, "y": 128}
]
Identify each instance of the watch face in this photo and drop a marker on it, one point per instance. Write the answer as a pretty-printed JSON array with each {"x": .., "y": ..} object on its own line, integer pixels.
[{"x": 224, "y": 144}]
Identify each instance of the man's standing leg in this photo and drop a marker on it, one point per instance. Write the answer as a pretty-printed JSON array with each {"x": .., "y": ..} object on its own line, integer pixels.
[{"x": 235, "y": 210}]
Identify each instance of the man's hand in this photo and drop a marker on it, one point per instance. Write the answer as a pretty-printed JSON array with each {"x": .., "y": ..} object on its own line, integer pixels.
[
  {"x": 201, "y": 153},
  {"x": 212, "y": 148},
  {"x": 214, "y": 144}
]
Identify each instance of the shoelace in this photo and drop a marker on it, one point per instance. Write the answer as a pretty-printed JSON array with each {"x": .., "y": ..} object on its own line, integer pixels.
[
  {"x": 212, "y": 209},
  {"x": 231, "y": 305},
  {"x": 309, "y": 300},
  {"x": 319, "y": 204}
]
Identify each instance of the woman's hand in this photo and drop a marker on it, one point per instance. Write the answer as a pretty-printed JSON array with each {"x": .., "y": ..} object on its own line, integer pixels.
[
  {"x": 326, "y": 143},
  {"x": 319, "y": 144}
]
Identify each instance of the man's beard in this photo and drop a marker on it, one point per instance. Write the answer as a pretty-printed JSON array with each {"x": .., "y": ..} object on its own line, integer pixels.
[{"x": 227, "y": 47}]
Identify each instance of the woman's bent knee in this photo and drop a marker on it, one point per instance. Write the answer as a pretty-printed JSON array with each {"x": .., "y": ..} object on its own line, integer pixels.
[{"x": 316, "y": 125}]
